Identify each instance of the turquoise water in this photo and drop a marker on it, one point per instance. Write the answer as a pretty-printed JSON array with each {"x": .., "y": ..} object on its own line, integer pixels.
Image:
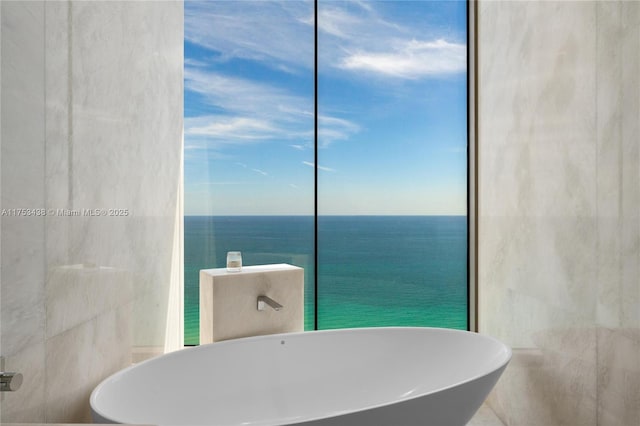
[{"x": 373, "y": 270}]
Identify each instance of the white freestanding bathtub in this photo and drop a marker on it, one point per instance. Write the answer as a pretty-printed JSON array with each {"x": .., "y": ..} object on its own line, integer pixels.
[{"x": 367, "y": 376}]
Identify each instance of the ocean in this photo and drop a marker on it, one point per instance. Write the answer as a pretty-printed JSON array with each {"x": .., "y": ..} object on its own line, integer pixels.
[{"x": 373, "y": 270}]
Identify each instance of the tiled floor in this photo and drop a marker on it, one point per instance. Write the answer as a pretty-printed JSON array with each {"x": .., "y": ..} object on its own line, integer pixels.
[{"x": 485, "y": 417}]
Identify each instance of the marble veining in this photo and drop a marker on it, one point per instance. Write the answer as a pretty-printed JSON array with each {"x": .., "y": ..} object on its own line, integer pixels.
[
  {"x": 559, "y": 194},
  {"x": 91, "y": 119},
  {"x": 22, "y": 174}
]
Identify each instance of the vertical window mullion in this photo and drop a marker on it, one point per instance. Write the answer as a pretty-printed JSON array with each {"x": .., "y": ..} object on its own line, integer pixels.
[{"x": 315, "y": 150}]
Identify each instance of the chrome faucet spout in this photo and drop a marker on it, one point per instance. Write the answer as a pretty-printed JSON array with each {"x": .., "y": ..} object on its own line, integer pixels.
[
  {"x": 10, "y": 382},
  {"x": 265, "y": 300}
]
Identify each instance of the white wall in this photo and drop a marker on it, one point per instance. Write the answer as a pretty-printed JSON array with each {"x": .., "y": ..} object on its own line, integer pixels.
[
  {"x": 559, "y": 208},
  {"x": 91, "y": 119}
]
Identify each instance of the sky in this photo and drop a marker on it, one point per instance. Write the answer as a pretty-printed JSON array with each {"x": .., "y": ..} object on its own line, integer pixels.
[{"x": 392, "y": 107}]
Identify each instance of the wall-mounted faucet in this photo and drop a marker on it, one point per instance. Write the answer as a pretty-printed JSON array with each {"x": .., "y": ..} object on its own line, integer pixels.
[
  {"x": 10, "y": 382},
  {"x": 262, "y": 300}
]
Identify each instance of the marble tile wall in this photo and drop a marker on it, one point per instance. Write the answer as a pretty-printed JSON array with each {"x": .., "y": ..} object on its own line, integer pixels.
[
  {"x": 559, "y": 207},
  {"x": 91, "y": 120},
  {"x": 22, "y": 240}
]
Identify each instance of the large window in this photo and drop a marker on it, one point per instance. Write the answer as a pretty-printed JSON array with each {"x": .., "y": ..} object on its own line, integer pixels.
[{"x": 332, "y": 133}]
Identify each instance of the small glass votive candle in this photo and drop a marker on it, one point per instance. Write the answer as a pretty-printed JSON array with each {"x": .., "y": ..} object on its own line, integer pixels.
[{"x": 234, "y": 261}]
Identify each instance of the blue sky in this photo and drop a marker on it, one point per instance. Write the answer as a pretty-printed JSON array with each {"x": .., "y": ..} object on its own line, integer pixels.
[{"x": 391, "y": 100}]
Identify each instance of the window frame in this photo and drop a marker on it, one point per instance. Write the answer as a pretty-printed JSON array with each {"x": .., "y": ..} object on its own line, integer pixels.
[{"x": 472, "y": 170}]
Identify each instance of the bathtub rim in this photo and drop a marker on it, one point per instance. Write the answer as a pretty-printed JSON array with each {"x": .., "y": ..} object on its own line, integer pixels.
[{"x": 498, "y": 369}]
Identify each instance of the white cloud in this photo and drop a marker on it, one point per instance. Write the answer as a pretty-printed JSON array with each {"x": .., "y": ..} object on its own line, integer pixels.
[
  {"x": 337, "y": 22},
  {"x": 357, "y": 38},
  {"x": 192, "y": 147},
  {"x": 229, "y": 129},
  {"x": 262, "y": 172},
  {"x": 217, "y": 183},
  {"x": 411, "y": 59},
  {"x": 353, "y": 22},
  {"x": 245, "y": 96},
  {"x": 331, "y": 129},
  {"x": 201, "y": 153},
  {"x": 194, "y": 63},
  {"x": 251, "y": 111},
  {"x": 255, "y": 112},
  {"x": 326, "y": 169},
  {"x": 277, "y": 33}
]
